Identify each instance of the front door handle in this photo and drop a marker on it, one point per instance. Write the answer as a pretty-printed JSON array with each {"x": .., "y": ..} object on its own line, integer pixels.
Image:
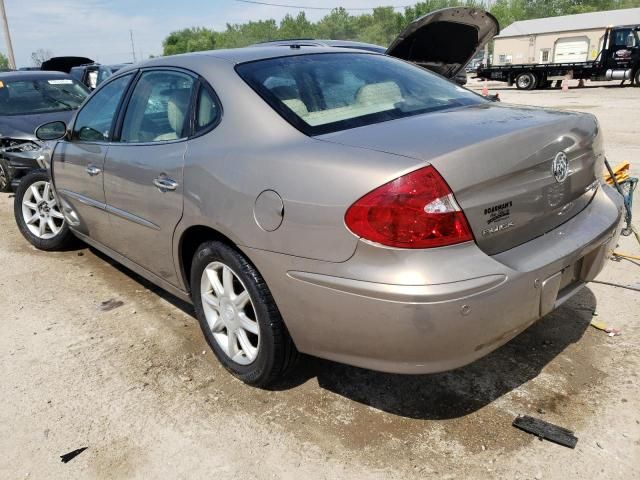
[
  {"x": 92, "y": 170},
  {"x": 165, "y": 184}
]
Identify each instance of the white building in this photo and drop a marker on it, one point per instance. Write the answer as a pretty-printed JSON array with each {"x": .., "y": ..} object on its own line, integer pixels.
[{"x": 569, "y": 38}]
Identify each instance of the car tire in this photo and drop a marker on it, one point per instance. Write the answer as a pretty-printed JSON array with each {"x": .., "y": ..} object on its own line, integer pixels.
[
  {"x": 5, "y": 176},
  {"x": 38, "y": 214},
  {"x": 637, "y": 79},
  {"x": 526, "y": 81},
  {"x": 239, "y": 317}
]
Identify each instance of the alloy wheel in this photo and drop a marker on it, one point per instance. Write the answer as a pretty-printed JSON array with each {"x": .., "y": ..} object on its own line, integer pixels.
[
  {"x": 41, "y": 212},
  {"x": 230, "y": 313}
]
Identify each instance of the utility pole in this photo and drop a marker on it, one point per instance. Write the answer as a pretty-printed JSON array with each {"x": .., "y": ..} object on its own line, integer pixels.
[
  {"x": 7, "y": 36},
  {"x": 133, "y": 47}
]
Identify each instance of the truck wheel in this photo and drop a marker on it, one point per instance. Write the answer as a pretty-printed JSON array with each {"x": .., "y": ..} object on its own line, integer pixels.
[
  {"x": 5, "y": 176},
  {"x": 526, "y": 81}
]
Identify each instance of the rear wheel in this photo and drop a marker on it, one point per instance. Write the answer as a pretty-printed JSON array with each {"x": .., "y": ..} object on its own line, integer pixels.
[
  {"x": 526, "y": 81},
  {"x": 239, "y": 317},
  {"x": 38, "y": 213},
  {"x": 5, "y": 176},
  {"x": 637, "y": 78}
]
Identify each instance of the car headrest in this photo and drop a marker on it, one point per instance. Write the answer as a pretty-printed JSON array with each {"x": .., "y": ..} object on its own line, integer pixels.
[
  {"x": 177, "y": 107},
  {"x": 375, "y": 93}
]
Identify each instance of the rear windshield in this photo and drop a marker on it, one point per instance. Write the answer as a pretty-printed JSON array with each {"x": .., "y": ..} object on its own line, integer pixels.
[
  {"x": 41, "y": 95},
  {"x": 328, "y": 92}
]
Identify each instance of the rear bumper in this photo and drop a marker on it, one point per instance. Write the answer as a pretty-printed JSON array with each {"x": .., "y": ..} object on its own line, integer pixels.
[{"x": 434, "y": 310}]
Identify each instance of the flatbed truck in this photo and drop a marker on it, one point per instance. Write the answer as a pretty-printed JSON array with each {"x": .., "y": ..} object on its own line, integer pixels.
[{"x": 619, "y": 60}]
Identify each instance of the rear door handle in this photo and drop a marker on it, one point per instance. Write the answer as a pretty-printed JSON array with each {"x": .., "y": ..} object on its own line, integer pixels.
[
  {"x": 92, "y": 170},
  {"x": 165, "y": 184}
]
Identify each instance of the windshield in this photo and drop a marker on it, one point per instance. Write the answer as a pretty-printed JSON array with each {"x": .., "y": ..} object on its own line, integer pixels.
[
  {"x": 324, "y": 93},
  {"x": 41, "y": 95}
]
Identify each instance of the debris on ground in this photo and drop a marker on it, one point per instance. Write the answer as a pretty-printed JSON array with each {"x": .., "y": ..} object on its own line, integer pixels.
[
  {"x": 546, "y": 431},
  {"x": 612, "y": 332},
  {"x": 110, "y": 304},
  {"x": 67, "y": 457}
]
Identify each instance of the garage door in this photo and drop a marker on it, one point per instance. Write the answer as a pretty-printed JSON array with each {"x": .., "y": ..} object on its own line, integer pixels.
[{"x": 571, "y": 50}]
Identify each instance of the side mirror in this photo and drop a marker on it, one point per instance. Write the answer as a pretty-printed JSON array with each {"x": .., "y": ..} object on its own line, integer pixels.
[{"x": 52, "y": 131}]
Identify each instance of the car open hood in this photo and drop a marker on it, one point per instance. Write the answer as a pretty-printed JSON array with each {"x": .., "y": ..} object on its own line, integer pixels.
[
  {"x": 445, "y": 40},
  {"x": 64, "y": 64}
]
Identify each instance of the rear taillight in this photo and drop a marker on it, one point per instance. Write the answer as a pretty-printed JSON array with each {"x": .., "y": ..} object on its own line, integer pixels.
[{"x": 417, "y": 210}]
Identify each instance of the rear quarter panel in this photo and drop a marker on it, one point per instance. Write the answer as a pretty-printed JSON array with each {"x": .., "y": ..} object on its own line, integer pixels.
[{"x": 254, "y": 149}]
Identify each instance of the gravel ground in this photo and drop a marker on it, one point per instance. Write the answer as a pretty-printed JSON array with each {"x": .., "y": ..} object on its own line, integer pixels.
[{"x": 138, "y": 386}]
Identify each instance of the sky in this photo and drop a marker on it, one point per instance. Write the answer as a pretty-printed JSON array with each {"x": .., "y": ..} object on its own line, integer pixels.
[{"x": 99, "y": 29}]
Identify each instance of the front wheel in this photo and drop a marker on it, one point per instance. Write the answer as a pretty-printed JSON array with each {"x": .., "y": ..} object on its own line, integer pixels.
[
  {"x": 5, "y": 176},
  {"x": 637, "y": 78},
  {"x": 526, "y": 81},
  {"x": 239, "y": 317},
  {"x": 38, "y": 213}
]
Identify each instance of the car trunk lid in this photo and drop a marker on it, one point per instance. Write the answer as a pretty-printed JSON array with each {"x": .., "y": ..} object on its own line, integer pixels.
[
  {"x": 446, "y": 40},
  {"x": 499, "y": 162}
]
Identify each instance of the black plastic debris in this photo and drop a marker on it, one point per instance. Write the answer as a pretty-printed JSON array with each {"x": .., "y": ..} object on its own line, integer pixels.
[
  {"x": 111, "y": 304},
  {"x": 67, "y": 457},
  {"x": 546, "y": 431}
]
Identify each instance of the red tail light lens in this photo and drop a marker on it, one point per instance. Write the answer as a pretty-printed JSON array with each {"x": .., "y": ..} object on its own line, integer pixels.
[{"x": 417, "y": 210}]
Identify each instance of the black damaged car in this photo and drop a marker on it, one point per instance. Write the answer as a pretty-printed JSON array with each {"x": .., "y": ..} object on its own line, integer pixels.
[{"x": 29, "y": 99}]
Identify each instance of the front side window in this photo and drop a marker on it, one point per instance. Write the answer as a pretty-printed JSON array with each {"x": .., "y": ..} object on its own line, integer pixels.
[
  {"x": 159, "y": 108},
  {"x": 324, "y": 93},
  {"x": 94, "y": 121},
  {"x": 40, "y": 95}
]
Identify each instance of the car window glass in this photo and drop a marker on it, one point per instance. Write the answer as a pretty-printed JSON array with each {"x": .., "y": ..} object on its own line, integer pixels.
[
  {"x": 94, "y": 120},
  {"x": 159, "y": 108},
  {"x": 322, "y": 93},
  {"x": 208, "y": 110},
  {"x": 40, "y": 95}
]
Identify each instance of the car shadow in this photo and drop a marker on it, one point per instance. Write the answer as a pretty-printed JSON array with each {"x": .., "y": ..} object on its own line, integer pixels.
[
  {"x": 175, "y": 301},
  {"x": 462, "y": 391},
  {"x": 438, "y": 396}
]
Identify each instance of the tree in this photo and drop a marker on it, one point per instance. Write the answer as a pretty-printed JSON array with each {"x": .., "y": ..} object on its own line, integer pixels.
[
  {"x": 4, "y": 62},
  {"x": 295, "y": 27},
  {"x": 338, "y": 25},
  {"x": 189, "y": 40},
  {"x": 379, "y": 27},
  {"x": 40, "y": 56}
]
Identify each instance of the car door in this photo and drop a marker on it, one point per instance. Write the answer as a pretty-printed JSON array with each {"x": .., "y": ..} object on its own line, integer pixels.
[
  {"x": 143, "y": 170},
  {"x": 78, "y": 163}
]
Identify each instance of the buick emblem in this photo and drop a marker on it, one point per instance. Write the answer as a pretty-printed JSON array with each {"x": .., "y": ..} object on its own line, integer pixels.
[{"x": 560, "y": 167}]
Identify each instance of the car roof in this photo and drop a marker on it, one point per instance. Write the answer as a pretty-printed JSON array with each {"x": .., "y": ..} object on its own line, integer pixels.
[
  {"x": 323, "y": 42},
  {"x": 239, "y": 55},
  {"x": 32, "y": 75}
]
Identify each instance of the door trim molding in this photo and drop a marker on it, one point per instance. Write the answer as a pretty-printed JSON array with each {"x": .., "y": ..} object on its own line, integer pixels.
[{"x": 131, "y": 217}]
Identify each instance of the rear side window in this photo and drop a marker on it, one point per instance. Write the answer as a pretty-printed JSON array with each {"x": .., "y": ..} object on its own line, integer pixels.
[
  {"x": 324, "y": 93},
  {"x": 207, "y": 110},
  {"x": 159, "y": 108}
]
